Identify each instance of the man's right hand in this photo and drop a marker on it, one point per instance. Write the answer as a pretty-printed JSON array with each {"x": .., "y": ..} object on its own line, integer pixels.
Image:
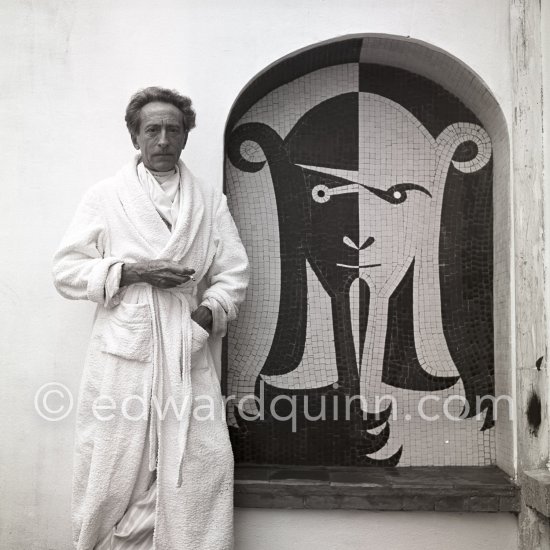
[{"x": 159, "y": 273}]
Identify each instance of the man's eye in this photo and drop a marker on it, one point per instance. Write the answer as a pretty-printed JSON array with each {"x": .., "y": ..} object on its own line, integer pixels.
[{"x": 397, "y": 194}]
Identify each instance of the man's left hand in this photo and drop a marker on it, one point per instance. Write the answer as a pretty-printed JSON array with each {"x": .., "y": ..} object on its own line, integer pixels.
[{"x": 203, "y": 316}]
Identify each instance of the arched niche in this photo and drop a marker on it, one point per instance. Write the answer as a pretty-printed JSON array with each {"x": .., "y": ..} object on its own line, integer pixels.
[{"x": 353, "y": 297}]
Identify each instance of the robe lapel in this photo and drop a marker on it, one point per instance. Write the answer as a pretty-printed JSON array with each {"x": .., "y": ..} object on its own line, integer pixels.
[
  {"x": 141, "y": 211},
  {"x": 188, "y": 240},
  {"x": 185, "y": 240}
]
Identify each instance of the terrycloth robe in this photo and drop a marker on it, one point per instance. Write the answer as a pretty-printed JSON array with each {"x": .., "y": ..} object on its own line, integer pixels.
[{"x": 145, "y": 352}]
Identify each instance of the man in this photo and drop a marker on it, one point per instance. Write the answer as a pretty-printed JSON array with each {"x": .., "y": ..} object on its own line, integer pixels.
[{"x": 159, "y": 252}]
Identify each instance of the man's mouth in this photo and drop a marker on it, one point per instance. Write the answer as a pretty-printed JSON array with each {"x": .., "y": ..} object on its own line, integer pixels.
[{"x": 358, "y": 266}]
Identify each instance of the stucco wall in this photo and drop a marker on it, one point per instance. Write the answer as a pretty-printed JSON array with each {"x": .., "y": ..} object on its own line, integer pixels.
[
  {"x": 68, "y": 69},
  {"x": 357, "y": 530}
]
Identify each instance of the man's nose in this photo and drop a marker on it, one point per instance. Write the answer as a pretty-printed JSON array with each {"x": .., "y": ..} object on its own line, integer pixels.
[
  {"x": 351, "y": 244},
  {"x": 163, "y": 139}
]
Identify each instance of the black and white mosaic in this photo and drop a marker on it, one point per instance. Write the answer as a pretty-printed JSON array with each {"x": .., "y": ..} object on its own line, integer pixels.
[{"x": 363, "y": 194}]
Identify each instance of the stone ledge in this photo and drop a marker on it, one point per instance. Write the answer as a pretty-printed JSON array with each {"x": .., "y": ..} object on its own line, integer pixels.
[
  {"x": 535, "y": 489},
  {"x": 439, "y": 489}
]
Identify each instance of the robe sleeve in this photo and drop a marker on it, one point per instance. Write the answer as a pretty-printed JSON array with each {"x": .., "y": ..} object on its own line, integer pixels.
[
  {"x": 81, "y": 271},
  {"x": 228, "y": 273}
]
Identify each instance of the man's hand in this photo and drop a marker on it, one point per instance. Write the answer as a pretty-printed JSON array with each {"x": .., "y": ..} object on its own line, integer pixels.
[
  {"x": 159, "y": 273},
  {"x": 203, "y": 317}
]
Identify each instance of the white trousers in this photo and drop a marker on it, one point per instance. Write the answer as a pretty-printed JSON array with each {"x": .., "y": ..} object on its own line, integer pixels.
[{"x": 135, "y": 530}]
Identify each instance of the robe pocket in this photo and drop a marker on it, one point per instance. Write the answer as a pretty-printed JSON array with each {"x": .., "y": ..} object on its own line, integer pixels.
[
  {"x": 127, "y": 332},
  {"x": 198, "y": 336}
]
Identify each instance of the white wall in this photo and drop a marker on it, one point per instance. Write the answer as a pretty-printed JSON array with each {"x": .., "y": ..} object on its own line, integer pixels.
[
  {"x": 358, "y": 530},
  {"x": 67, "y": 69}
]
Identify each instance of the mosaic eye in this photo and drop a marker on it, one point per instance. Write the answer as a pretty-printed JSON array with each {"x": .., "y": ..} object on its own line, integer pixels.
[
  {"x": 320, "y": 193},
  {"x": 397, "y": 194}
]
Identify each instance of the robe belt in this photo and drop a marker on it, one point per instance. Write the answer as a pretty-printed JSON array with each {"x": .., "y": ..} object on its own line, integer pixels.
[{"x": 155, "y": 422}]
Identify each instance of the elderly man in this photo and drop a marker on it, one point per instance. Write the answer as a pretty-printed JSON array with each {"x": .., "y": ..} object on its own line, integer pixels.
[{"x": 159, "y": 253}]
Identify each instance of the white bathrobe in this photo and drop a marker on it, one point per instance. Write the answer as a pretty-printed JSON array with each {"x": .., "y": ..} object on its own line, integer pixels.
[{"x": 144, "y": 352}]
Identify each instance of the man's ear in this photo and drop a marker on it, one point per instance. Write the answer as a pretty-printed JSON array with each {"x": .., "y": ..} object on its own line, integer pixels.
[
  {"x": 185, "y": 138},
  {"x": 135, "y": 142}
]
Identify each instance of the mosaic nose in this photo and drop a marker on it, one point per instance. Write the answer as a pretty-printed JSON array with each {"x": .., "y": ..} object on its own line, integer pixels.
[{"x": 351, "y": 244}]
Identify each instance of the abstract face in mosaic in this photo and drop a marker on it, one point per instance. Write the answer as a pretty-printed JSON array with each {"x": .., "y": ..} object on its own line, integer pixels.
[{"x": 363, "y": 195}]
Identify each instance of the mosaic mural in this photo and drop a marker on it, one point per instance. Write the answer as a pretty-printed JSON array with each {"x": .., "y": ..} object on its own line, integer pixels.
[{"x": 363, "y": 194}]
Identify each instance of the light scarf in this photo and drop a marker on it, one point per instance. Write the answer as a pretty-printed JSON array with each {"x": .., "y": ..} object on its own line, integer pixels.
[{"x": 164, "y": 190}]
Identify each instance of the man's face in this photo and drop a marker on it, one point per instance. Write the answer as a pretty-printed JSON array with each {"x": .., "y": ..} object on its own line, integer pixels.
[{"x": 161, "y": 136}]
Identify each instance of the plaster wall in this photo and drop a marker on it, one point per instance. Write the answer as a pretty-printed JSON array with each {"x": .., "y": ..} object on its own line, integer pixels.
[
  {"x": 67, "y": 70},
  {"x": 358, "y": 530}
]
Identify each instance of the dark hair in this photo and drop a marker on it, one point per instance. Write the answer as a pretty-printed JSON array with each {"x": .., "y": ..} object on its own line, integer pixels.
[{"x": 155, "y": 93}]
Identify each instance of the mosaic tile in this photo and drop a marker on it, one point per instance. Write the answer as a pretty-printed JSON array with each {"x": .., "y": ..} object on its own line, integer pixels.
[{"x": 363, "y": 194}]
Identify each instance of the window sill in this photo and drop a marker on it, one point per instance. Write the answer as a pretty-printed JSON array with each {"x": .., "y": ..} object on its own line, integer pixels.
[{"x": 440, "y": 489}]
